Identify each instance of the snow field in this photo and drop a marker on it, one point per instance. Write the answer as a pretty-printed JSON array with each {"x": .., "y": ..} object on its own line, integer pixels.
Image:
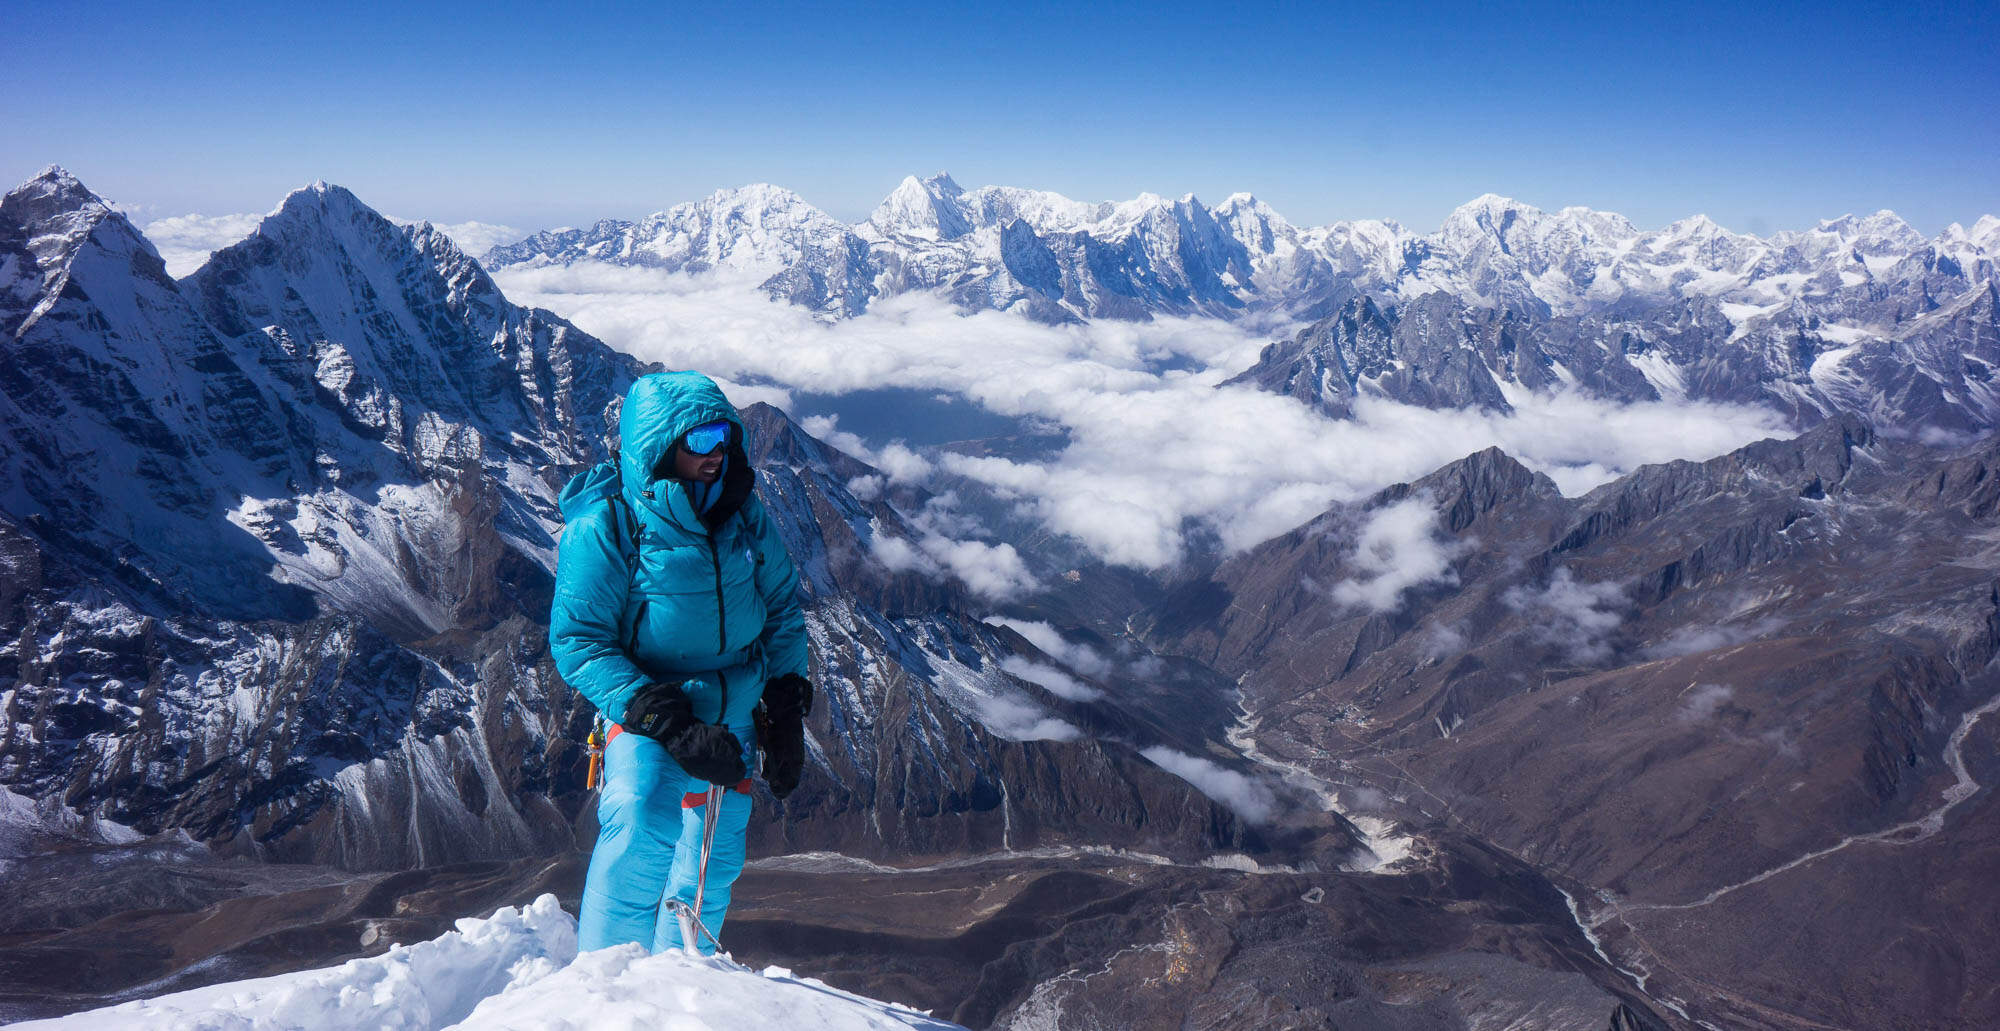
[{"x": 518, "y": 969}]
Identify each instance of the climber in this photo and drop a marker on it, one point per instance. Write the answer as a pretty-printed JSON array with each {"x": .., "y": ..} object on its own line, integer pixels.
[{"x": 676, "y": 614}]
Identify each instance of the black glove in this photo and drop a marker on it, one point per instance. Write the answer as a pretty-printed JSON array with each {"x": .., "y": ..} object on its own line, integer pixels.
[
  {"x": 781, "y": 730},
  {"x": 664, "y": 713}
]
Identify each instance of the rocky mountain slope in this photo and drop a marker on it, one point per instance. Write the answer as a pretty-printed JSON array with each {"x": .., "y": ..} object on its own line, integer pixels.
[{"x": 1705, "y": 699}]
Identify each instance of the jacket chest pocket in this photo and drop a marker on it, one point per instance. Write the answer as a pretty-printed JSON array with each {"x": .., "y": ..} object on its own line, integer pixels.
[{"x": 687, "y": 569}]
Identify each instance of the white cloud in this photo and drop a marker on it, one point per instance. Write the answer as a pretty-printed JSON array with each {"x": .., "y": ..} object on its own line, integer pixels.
[
  {"x": 473, "y": 238},
  {"x": 1444, "y": 641},
  {"x": 1574, "y": 616},
  {"x": 1017, "y": 720},
  {"x": 476, "y": 238},
  {"x": 901, "y": 556},
  {"x": 743, "y": 395},
  {"x": 896, "y": 459},
  {"x": 1397, "y": 549},
  {"x": 186, "y": 241},
  {"x": 994, "y": 571},
  {"x": 1060, "y": 684},
  {"x": 1247, "y": 798},
  {"x": 865, "y": 488},
  {"x": 1689, "y": 640},
  {"x": 1701, "y": 701},
  {"x": 1077, "y": 656},
  {"x": 1153, "y": 444}
]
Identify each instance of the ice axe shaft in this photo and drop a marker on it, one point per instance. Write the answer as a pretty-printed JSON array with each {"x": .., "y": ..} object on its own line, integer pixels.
[{"x": 692, "y": 929}]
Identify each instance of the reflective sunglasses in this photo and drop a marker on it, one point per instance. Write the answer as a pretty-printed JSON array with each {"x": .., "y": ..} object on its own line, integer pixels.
[{"x": 705, "y": 438}]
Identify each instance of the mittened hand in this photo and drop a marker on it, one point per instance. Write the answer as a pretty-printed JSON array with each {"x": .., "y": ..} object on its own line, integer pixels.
[
  {"x": 664, "y": 713},
  {"x": 789, "y": 697},
  {"x": 709, "y": 752},
  {"x": 781, "y": 730},
  {"x": 658, "y": 711}
]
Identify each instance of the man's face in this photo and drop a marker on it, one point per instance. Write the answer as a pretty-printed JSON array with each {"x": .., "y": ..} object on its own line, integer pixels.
[{"x": 697, "y": 468}]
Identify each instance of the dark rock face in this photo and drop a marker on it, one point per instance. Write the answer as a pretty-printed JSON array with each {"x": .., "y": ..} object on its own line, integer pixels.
[{"x": 1699, "y": 697}]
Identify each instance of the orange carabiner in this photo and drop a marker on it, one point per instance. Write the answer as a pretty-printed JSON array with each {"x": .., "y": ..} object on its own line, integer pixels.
[{"x": 595, "y": 744}]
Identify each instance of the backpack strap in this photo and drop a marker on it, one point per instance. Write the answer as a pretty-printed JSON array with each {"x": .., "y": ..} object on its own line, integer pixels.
[{"x": 625, "y": 529}]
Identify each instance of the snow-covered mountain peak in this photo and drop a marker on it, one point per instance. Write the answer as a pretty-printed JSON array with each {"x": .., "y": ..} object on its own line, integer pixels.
[
  {"x": 942, "y": 184},
  {"x": 58, "y": 216},
  {"x": 1491, "y": 208},
  {"x": 926, "y": 208},
  {"x": 329, "y": 225},
  {"x": 1879, "y": 234},
  {"x": 1487, "y": 222},
  {"x": 1694, "y": 225},
  {"x": 1260, "y": 228},
  {"x": 57, "y": 202},
  {"x": 1043, "y": 210},
  {"x": 1607, "y": 225},
  {"x": 1125, "y": 216},
  {"x": 764, "y": 199},
  {"x": 57, "y": 182},
  {"x": 318, "y": 200},
  {"x": 1984, "y": 234}
]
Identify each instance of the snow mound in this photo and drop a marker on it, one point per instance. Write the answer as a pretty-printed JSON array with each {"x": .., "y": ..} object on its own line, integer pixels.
[
  {"x": 625, "y": 988},
  {"x": 517, "y": 969}
]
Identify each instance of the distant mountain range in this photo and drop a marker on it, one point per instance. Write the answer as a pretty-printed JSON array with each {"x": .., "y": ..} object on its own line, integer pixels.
[
  {"x": 1857, "y": 314},
  {"x": 1057, "y": 259}
]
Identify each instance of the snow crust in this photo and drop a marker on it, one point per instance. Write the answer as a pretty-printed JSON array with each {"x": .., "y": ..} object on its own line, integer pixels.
[{"x": 517, "y": 969}]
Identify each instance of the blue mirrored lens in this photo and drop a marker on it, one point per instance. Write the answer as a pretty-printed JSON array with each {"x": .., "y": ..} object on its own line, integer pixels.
[{"x": 707, "y": 437}]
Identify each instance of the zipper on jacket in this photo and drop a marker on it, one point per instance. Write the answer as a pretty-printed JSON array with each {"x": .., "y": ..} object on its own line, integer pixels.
[
  {"x": 722, "y": 714},
  {"x": 721, "y": 620}
]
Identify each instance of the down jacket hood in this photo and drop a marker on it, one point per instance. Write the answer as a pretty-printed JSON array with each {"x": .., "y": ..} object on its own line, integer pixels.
[{"x": 658, "y": 409}]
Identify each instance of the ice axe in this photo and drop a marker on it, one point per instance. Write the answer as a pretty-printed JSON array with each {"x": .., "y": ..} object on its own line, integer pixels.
[{"x": 692, "y": 929}]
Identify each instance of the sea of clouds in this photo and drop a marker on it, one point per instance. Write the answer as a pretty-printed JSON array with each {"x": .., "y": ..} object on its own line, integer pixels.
[{"x": 1155, "y": 444}]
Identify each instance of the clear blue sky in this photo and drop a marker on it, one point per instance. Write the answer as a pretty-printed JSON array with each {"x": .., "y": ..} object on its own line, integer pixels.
[{"x": 534, "y": 116}]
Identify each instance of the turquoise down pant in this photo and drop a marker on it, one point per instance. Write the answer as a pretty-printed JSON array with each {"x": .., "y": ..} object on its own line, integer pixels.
[{"x": 649, "y": 848}]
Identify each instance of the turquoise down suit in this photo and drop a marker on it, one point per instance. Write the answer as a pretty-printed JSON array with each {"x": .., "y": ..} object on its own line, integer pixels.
[{"x": 648, "y": 592}]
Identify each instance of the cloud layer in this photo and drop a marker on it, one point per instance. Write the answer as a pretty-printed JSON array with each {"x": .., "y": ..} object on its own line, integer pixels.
[
  {"x": 1575, "y": 616},
  {"x": 1248, "y": 798},
  {"x": 186, "y": 241},
  {"x": 1398, "y": 548},
  {"x": 1155, "y": 444}
]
